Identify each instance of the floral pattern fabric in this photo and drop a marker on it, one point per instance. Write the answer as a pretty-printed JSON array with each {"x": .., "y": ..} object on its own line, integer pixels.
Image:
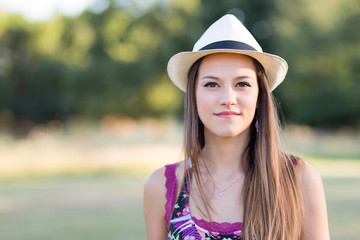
[{"x": 183, "y": 226}]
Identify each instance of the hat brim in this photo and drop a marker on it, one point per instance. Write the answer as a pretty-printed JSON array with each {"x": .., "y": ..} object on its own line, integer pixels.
[{"x": 179, "y": 65}]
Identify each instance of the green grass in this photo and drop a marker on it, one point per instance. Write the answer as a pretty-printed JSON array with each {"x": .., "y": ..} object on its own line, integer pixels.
[
  {"x": 86, "y": 182},
  {"x": 343, "y": 203},
  {"x": 109, "y": 206},
  {"x": 86, "y": 207}
]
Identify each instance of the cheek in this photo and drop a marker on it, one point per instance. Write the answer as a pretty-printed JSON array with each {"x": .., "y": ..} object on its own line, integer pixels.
[
  {"x": 206, "y": 104},
  {"x": 201, "y": 103},
  {"x": 248, "y": 102}
]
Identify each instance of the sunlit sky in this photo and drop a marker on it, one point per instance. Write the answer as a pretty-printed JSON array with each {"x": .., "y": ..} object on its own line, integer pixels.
[{"x": 41, "y": 10}]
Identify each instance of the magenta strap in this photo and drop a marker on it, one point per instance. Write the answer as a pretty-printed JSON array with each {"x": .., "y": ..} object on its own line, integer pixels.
[{"x": 171, "y": 189}]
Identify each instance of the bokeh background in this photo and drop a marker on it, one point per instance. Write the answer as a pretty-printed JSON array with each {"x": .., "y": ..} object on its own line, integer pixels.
[{"x": 87, "y": 110}]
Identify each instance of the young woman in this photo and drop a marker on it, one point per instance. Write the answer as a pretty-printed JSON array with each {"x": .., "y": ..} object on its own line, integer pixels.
[{"x": 236, "y": 182}]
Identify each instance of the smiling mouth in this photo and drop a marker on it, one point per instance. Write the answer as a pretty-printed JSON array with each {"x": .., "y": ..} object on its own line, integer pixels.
[{"x": 227, "y": 114}]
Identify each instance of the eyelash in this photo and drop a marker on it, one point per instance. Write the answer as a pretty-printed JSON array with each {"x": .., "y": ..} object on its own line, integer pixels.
[
  {"x": 244, "y": 84},
  {"x": 211, "y": 83},
  {"x": 214, "y": 84}
]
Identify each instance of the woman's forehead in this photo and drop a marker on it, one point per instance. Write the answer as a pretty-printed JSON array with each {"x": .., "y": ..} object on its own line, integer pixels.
[{"x": 222, "y": 62}]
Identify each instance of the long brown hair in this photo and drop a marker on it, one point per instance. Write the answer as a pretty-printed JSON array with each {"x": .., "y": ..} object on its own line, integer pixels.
[{"x": 273, "y": 206}]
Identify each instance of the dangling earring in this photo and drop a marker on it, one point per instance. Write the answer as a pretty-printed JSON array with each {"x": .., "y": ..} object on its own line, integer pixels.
[
  {"x": 257, "y": 125},
  {"x": 256, "y": 121}
]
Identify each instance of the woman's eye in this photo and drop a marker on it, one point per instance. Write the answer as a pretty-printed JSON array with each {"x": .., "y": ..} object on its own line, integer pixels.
[
  {"x": 211, "y": 85},
  {"x": 243, "y": 84}
]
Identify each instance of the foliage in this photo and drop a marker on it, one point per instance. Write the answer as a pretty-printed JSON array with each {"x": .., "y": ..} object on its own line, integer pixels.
[
  {"x": 321, "y": 46},
  {"x": 114, "y": 62}
]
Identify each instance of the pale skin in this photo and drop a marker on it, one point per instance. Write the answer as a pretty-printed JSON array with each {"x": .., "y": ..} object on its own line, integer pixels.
[{"x": 226, "y": 92}]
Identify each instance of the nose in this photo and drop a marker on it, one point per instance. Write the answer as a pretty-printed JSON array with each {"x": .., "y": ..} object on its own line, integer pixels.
[{"x": 228, "y": 97}]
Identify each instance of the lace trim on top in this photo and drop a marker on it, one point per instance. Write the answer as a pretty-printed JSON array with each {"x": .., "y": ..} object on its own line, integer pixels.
[
  {"x": 223, "y": 227},
  {"x": 171, "y": 189},
  {"x": 294, "y": 159}
]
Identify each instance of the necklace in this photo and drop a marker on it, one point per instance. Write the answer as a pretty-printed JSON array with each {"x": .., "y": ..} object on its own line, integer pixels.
[{"x": 221, "y": 192}]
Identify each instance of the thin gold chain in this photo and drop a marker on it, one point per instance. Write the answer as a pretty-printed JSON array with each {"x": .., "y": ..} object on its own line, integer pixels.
[{"x": 221, "y": 192}]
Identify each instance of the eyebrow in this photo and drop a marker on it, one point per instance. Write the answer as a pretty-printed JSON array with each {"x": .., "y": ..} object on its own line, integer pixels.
[
  {"x": 216, "y": 78},
  {"x": 211, "y": 77}
]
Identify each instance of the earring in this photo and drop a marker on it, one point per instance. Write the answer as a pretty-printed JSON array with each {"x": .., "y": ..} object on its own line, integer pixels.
[{"x": 257, "y": 125}]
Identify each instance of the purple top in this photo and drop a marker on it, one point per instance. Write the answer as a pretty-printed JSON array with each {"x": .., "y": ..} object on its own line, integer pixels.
[
  {"x": 171, "y": 190},
  {"x": 179, "y": 222}
]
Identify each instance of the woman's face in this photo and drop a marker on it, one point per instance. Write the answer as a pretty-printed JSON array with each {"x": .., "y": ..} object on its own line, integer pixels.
[{"x": 226, "y": 94}]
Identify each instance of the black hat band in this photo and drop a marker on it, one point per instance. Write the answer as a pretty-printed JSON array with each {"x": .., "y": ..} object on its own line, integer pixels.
[{"x": 228, "y": 44}]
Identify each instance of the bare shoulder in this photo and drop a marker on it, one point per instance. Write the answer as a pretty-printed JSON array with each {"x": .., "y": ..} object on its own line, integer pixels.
[
  {"x": 310, "y": 180},
  {"x": 315, "y": 212},
  {"x": 155, "y": 193},
  {"x": 156, "y": 181},
  {"x": 308, "y": 175},
  {"x": 154, "y": 203}
]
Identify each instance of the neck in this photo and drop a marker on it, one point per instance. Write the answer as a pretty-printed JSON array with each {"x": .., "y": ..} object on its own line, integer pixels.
[{"x": 223, "y": 156}]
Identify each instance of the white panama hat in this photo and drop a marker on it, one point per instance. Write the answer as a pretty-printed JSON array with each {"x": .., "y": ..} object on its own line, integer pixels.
[{"x": 226, "y": 35}]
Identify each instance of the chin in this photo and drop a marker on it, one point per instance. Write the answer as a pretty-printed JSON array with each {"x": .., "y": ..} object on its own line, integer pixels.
[
  {"x": 227, "y": 132},
  {"x": 230, "y": 133}
]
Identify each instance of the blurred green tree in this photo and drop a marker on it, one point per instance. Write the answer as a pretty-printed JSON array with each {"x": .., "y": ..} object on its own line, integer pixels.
[
  {"x": 114, "y": 61},
  {"x": 320, "y": 42}
]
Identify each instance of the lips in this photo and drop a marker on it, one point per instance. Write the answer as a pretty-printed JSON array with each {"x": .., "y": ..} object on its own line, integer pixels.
[{"x": 227, "y": 114}]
